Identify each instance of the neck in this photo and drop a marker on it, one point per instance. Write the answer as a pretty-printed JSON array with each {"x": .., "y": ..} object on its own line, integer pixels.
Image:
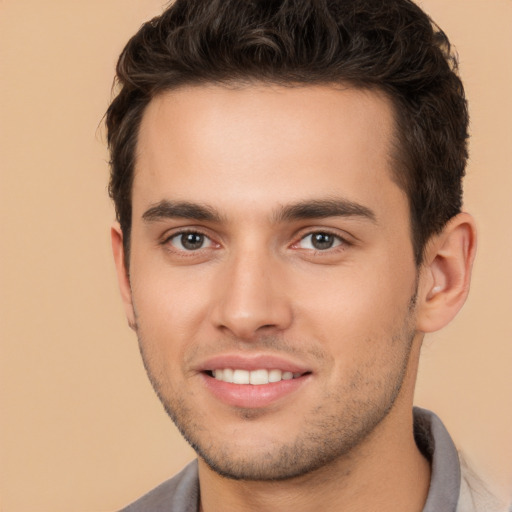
[{"x": 387, "y": 473}]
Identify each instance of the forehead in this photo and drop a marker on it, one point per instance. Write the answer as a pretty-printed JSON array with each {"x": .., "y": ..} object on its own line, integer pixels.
[{"x": 252, "y": 145}]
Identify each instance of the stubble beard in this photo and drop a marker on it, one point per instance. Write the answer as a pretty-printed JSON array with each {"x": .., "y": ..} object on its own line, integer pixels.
[{"x": 326, "y": 437}]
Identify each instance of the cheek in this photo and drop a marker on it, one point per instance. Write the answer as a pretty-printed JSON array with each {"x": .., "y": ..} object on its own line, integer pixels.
[
  {"x": 356, "y": 314},
  {"x": 170, "y": 311},
  {"x": 166, "y": 294}
]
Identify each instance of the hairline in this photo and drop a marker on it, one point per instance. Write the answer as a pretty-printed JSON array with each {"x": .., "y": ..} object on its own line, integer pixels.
[{"x": 400, "y": 173}]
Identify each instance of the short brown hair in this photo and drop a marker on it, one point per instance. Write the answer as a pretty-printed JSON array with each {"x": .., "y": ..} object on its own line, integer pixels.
[{"x": 390, "y": 45}]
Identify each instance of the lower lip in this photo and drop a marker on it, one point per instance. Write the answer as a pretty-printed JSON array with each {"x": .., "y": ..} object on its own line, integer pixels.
[{"x": 251, "y": 396}]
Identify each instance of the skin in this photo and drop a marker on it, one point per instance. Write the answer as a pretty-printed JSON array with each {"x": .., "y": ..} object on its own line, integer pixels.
[{"x": 241, "y": 169}]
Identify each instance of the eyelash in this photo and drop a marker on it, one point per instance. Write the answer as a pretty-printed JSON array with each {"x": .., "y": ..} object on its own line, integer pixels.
[
  {"x": 340, "y": 242},
  {"x": 176, "y": 235}
]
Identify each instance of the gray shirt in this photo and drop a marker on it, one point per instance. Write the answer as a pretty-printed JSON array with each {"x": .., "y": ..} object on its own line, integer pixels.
[{"x": 453, "y": 487}]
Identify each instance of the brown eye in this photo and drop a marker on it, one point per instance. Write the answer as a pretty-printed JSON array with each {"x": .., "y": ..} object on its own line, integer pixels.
[
  {"x": 190, "y": 241},
  {"x": 320, "y": 241}
]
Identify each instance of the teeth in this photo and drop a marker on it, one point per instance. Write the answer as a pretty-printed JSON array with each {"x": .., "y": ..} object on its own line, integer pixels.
[
  {"x": 275, "y": 375},
  {"x": 258, "y": 377},
  {"x": 241, "y": 377},
  {"x": 227, "y": 375},
  {"x": 255, "y": 377}
]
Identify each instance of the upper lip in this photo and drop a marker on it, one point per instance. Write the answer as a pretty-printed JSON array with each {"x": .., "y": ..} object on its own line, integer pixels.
[{"x": 251, "y": 362}]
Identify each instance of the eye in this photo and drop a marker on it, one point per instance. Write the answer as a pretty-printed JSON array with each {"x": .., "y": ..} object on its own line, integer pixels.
[
  {"x": 190, "y": 241},
  {"x": 320, "y": 241}
]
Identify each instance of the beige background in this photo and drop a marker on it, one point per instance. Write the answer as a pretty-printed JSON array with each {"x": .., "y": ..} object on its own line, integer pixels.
[{"x": 80, "y": 429}]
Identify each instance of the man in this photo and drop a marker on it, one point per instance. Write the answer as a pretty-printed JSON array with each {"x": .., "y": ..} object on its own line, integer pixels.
[{"x": 287, "y": 181}]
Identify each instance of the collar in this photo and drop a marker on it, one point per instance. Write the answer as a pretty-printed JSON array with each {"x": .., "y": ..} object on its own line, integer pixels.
[{"x": 437, "y": 446}]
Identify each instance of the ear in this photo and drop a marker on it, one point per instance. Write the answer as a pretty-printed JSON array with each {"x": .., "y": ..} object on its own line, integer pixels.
[
  {"x": 122, "y": 273},
  {"x": 446, "y": 273}
]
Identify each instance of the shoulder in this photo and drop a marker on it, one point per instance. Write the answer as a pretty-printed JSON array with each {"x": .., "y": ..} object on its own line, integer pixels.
[
  {"x": 180, "y": 493},
  {"x": 474, "y": 494},
  {"x": 454, "y": 486}
]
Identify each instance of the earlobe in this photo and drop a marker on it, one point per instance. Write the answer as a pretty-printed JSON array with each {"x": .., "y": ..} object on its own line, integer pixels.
[
  {"x": 446, "y": 273},
  {"x": 122, "y": 273}
]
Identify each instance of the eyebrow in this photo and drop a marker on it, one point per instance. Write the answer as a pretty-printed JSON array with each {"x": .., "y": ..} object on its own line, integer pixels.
[
  {"x": 308, "y": 209},
  {"x": 181, "y": 209},
  {"x": 323, "y": 208}
]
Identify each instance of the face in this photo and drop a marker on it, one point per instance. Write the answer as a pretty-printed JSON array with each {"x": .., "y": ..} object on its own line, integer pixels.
[{"x": 272, "y": 277}]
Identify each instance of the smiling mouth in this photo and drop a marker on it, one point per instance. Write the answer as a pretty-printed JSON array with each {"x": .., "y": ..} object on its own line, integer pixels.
[{"x": 255, "y": 377}]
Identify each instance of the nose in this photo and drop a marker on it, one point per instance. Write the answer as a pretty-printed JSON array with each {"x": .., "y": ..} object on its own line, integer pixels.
[{"x": 252, "y": 297}]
